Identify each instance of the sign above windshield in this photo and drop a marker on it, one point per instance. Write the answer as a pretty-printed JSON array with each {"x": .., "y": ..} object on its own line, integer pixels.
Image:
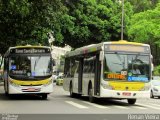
[
  {"x": 127, "y": 48},
  {"x": 29, "y": 50}
]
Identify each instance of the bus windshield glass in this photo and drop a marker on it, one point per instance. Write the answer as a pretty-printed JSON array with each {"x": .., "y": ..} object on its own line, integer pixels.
[
  {"x": 26, "y": 67},
  {"x": 126, "y": 67}
]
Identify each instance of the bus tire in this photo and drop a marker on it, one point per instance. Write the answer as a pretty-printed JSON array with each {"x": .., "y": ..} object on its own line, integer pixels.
[
  {"x": 71, "y": 91},
  {"x": 151, "y": 94},
  {"x": 90, "y": 93},
  {"x": 44, "y": 96},
  {"x": 131, "y": 101}
]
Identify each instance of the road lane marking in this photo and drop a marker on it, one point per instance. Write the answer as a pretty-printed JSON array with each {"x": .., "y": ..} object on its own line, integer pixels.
[
  {"x": 122, "y": 107},
  {"x": 138, "y": 107},
  {"x": 154, "y": 104},
  {"x": 148, "y": 106},
  {"x": 95, "y": 105},
  {"x": 76, "y": 104}
]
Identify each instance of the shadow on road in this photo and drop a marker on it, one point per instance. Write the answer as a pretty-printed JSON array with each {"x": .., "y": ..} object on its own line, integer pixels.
[
  {"x": 106, "y": 101},
  {"x": 20, "y": 97}
]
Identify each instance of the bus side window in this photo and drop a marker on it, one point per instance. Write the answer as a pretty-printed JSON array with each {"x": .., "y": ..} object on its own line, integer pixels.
[
  {"x": 84, "y": 66},
  {"x": 90, "y": 66},
  {"x": 77, "y": 66},
  {"x": 73, "y": 67},
  {"x": 93, "y": 66}
]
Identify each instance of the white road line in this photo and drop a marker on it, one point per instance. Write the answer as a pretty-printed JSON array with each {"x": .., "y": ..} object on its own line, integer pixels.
[
  {"x": 95, "y": 105},
  {"x": 148, "y": 106},
  {"x": 76, "y": 104},
  {"x": 154, "y": 104},
  {"x": 122, "y": 107},
  {"x": 138, "y": 107}
]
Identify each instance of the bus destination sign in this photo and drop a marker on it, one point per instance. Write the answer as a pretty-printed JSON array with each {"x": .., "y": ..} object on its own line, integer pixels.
[
  {"x": 29, "y": 50},
  {"x": 127, "y": 48}
]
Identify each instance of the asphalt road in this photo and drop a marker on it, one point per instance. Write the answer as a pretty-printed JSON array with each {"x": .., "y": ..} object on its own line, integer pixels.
[{"x": 59, "y": 103}]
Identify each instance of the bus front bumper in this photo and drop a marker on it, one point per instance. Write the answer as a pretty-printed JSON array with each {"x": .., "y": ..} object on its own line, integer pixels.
[
  {"x": 30, "y": 89},
  {"x": 105, "y": 93}
]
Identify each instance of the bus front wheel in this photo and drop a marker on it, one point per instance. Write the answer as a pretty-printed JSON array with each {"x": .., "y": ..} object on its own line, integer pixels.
[
  {"x": 44, "y": 96},
  {"x": 131, "y": 101}
]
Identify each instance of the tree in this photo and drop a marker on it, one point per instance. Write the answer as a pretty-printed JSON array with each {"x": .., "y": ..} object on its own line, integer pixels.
[
  {"x": 143, "y": 5},
  {"x": 145, "y": 27},
  {"x": 28, "y": 22},
  {"x": 94, "y": 21},
  {"x": 74, "y": 22}
]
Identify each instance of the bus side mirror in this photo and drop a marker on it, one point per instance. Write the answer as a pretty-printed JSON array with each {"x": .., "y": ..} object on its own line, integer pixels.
[{"x": 101, "y": 56}]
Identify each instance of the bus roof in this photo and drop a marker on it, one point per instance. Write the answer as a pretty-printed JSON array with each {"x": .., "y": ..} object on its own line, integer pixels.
[{"x": 97, "y": 47}]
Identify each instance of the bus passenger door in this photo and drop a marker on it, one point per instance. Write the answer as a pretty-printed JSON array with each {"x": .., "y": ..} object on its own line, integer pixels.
[
  {"x": 80, "y": 75},
  {"x": 97, "y": 71},
  {"x": 75, "y": 70}
]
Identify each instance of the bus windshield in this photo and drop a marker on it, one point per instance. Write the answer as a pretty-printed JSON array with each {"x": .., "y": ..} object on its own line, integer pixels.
[
  {"x": 27, "y": 67},
  {"x": 126, "y": 67}
]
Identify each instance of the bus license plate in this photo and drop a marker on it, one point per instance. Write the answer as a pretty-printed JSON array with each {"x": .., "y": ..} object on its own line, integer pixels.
[
  {"x": 32, "y": 89},
  {"x": 126, "y": 94}
]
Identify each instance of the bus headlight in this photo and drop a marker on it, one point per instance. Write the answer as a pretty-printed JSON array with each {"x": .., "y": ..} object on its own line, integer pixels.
[
  {"x": 146, "y": 87},
  {"x": 106, "y": 86}
]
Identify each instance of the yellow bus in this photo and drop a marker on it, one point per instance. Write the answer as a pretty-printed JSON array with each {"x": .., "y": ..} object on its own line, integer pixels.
[
  {"x": 108, "y": 70},
  {"x": 28, "y": 70}
]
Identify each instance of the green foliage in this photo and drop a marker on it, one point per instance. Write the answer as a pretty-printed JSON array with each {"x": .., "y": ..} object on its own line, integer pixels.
[
  {"x": 145, "y": 26},
  {"x": 28, "y": 22},
  {"x": 76, "y": 22},
  {"x": 95, "y": 21},
  {"x": 143, "y": 5},
  {"x": 156, "y": 71}
]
